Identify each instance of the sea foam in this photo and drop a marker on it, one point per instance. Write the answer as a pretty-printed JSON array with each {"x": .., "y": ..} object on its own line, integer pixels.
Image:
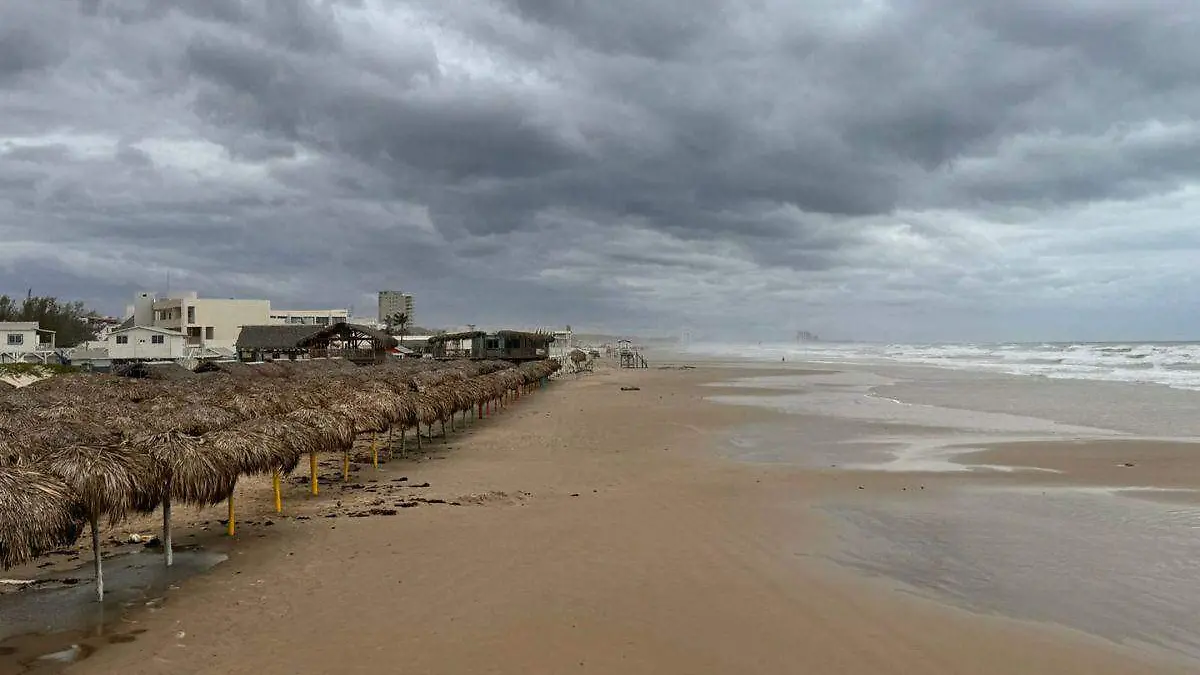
[{"x": 1173, "y": 364}]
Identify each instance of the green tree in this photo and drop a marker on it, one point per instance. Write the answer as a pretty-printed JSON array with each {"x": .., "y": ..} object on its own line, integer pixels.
[{"x": 68, "y": 320}]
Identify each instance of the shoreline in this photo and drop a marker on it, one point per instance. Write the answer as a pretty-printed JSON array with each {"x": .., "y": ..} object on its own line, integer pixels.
[{"x": 608, "y": 532}]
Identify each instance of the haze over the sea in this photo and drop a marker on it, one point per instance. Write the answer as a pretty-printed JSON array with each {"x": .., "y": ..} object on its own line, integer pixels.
[{"x": 891, "y": 170}]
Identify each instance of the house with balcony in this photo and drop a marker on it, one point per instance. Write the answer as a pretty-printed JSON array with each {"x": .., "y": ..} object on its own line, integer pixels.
[{"x": 25, "y": 342}]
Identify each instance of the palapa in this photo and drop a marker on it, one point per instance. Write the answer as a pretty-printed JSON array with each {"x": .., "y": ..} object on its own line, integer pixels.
[
  {"x": 108, "y": 482},
  {"x": 123, "y": 444},
  {"x": 38, "y": 513}
]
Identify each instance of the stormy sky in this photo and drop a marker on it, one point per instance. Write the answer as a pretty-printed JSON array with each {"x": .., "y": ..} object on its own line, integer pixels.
[{"x": 866, "y": 169}]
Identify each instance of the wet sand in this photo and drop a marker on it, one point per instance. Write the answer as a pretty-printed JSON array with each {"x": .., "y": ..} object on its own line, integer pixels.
[
  {"x": 595, "y": 530},
  {"x": 1172, "y": 466}
]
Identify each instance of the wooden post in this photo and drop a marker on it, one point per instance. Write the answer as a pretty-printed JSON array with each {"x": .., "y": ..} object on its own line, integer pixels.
[
  {"x": 374, "y": 452},
  {"x": 312, "y": 471},
  {"x": 275, "y": 483},
  {"x": 96, "y": 560},
  {"x": 231, "y": 528},
  {"x": 345, "y": 465},
  {"x": 168, "y": 552}
]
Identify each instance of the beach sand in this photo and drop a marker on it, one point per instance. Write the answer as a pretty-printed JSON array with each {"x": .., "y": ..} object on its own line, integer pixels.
[
  {"x": 1162, "y": 465},
  {"x": 597, "y": 531}
]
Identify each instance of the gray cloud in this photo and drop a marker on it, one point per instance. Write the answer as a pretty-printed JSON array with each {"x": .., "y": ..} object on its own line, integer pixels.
[{"x": 910, "y": 169}]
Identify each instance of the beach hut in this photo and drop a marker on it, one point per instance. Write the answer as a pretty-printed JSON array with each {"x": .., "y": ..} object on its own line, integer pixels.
[
  {"x": 353, "y": 342},
  {"x": 508, "y": 345},
  {"x": 279, "y": 342}
]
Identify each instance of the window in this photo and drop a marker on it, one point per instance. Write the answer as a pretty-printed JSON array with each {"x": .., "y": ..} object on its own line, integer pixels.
[
  {"x": 158, "y": 339},
  {"x": 208, "y": 332},
  {"x": 322, "y": 321},
  {"x": 16, "y": 339},
  {"x": 492, "y": 343},
  {"x": 122, "y": 339}
]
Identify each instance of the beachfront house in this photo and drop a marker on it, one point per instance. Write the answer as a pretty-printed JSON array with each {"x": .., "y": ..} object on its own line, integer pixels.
[
  {"x": 144, "y": 343},
  {"x": 25, "y": 342},
  {"x": 507, "y": 345}
]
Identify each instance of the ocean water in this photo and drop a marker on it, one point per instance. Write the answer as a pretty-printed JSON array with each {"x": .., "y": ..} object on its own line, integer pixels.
[{"x": 1172, "y": 364}]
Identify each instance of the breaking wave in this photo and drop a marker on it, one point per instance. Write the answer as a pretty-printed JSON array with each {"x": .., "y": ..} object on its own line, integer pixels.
[{"x": 1173, "y": 364}]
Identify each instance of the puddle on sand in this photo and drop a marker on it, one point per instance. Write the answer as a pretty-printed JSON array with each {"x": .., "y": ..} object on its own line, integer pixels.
[{"x": 48, "y": 627}]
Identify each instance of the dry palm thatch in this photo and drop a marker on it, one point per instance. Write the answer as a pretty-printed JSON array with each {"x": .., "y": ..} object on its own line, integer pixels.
[
  {"x": 191, "y": 472},
  {"x": 256, "y": 446},
  {"x": 38, "y": 513},
  {"x": 319, "y": 430},
  {"x": 12, "y": 453},
  {"x": 194, "y": 419},
  {"x": 109, "y": 482}
]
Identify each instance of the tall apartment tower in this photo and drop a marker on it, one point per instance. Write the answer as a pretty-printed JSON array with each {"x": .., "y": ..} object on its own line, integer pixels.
[{"x": 394, "y": 302}]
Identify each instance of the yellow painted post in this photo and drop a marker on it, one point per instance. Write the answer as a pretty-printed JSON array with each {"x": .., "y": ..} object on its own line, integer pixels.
[
  {"x": 278, "y": 491},
  {"x": 232, "y": 528},
  {"x": 312, "y": 471},
  {"x": 374, "y": 452}
]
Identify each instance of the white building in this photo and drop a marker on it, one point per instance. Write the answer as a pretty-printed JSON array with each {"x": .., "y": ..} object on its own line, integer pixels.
[
  {"x": 310, "y": 317},
  {"x": 204, "y": 322},
  {"x": 215, "y": 323},
  {"x": 25, "y": 342},
  {"x": 395, "y": 302},
  {"x": 145, "y": 343}
]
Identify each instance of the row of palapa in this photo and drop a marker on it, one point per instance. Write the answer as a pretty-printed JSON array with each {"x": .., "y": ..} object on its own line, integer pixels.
[{"x": 81, "y": 449}]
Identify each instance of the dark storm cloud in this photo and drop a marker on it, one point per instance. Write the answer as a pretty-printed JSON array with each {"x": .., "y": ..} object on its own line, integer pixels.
[{"x": 623, "y": 163}]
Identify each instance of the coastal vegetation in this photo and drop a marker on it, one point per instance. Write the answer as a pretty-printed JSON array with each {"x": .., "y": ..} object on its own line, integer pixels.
[{"x": 68, "y": 320}]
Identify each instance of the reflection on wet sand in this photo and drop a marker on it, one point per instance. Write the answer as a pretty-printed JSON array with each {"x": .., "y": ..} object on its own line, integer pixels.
[
  {"x": 51, "y": 624},
  {"x": 1096, "y": 531},
  {"x": 1121, "y": 568}
]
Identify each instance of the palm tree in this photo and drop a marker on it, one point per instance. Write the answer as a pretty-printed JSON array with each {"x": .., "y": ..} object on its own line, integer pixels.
[{"x": 401, "y": 322}]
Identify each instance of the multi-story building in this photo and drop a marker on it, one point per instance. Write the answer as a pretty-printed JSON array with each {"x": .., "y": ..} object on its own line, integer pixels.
[
  {"x": 310, "y": 317},
  {"x": 205, "y": 322},
  {"x": 214, "y": 323},
  {"x": 395, "y": 302}
]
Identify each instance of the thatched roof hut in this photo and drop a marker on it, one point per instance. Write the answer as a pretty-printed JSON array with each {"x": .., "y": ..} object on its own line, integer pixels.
[{"x": 255, "y": 343}]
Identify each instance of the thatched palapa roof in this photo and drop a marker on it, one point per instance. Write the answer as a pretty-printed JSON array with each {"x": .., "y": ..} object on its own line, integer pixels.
[
  {"x": 347, "y": 329},
  {"x": 38, "y": 513},
  {"x": 275, "y": 337}
]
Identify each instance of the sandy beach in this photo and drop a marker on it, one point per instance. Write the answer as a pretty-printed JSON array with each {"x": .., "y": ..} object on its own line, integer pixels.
[{"x": 590, "y": 529}]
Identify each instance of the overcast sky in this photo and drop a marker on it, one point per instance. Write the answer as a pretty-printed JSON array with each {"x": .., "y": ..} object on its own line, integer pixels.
[{"x": 868, "y": 169}]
